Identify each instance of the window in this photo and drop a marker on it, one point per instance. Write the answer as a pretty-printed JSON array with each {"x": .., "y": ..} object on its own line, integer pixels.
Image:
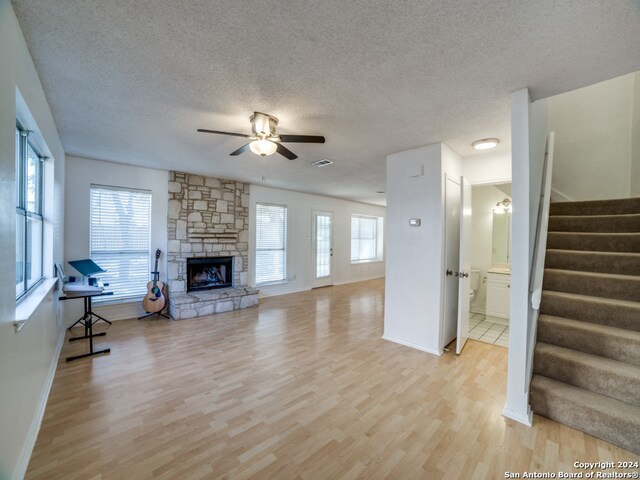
[
  {"x": 271, "y": 243},
  {"x": 29, "y": 221},
  {"x": 120, "y": 239},
  {"x": 366, "y": 239}
]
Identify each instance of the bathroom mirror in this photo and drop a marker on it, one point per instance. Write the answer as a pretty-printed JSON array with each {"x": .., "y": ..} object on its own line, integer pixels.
[{"x": 501, "y": 246}]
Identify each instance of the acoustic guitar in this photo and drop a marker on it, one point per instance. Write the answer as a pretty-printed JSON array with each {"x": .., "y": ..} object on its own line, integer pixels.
[{"x": 154, "y": 301}]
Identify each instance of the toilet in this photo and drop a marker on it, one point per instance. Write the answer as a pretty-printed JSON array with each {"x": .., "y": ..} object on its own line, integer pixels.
[{"x": 474, "y": 283}]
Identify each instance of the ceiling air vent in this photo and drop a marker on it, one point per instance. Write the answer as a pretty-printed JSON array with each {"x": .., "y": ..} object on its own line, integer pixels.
[{"x": 322, "y": 163}]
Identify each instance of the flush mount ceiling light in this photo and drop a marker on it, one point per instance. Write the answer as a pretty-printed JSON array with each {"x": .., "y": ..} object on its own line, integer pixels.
[
  {"x": 485, "y": 143},
  {"x": 263, "y": 147}
]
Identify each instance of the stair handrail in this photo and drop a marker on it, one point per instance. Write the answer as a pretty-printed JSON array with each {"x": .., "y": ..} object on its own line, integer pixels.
[{"x": 539, "y": 252}]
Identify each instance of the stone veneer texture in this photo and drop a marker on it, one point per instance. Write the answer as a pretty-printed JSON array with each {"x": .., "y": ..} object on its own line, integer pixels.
[{"x": 208, "y": 217}]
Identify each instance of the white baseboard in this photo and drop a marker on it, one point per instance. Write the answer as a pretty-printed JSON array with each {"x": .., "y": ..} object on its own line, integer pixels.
[
  {"x": 521, "y": 417},
  {"x": 478, "y": 311},
  {"x": 557, "y": 196},
  {"x": 346, "y": 282},
  {"x": 265, "y": 293},
  {"x": 36, "y": 423},
  {"x": 412, "y": 345}
]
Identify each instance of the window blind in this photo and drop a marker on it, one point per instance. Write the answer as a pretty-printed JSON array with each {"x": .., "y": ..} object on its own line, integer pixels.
[
  {"x": 271, "y": 243},
  {"x": 120, "y": 239},
  {"x": 363, "y": 238}
]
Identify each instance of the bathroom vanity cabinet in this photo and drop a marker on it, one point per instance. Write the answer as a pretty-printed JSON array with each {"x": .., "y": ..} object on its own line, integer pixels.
[{"x": 498, "y": 295}]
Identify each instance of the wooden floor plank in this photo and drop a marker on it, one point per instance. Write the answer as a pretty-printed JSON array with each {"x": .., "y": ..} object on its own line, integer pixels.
[{"x": 301, "y": 387}]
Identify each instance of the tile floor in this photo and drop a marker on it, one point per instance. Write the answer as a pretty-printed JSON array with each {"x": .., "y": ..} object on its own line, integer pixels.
[{"x": 488, "y": 332}]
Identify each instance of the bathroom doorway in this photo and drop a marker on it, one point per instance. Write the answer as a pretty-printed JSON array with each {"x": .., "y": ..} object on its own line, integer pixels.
[{"x": 490, "y": 264}]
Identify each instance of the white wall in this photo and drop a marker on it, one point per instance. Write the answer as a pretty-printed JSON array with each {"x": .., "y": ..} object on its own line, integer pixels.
[
  {"x": 484, "y": 199},
  {"x": 28, "y": 357},
  {"x": 594, "y": 140},
  {"x": 415, "y": 255},
  {"x": 299, "y": 244},
  {"x": 80, "y": 174},
  {"x": 487, "y": 168}
]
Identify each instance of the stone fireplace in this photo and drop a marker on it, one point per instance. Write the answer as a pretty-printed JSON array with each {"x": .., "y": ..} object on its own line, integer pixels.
[
  {"x": 207, "y": 223},
  {"x": 209, "y": 273}
]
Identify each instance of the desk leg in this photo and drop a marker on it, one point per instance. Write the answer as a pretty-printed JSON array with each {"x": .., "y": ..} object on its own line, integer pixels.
[
  {"x": 90, "y": 354},
  {"x": 92, "y": 314},
  {"x": 88, "y": 333}
]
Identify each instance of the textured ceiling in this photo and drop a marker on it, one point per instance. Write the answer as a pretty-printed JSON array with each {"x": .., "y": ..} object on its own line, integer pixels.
[{"x": 131, "y": 81}]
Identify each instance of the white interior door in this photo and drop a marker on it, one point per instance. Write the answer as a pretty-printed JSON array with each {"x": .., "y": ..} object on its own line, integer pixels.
[
  {"x": 464, "y": 279},
  {"x": 322, "y": 238},
  {"x": 452, "y": 257}
]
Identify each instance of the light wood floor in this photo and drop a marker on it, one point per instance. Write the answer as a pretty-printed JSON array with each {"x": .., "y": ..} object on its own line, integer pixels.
[{"x": 301, "y": 387}]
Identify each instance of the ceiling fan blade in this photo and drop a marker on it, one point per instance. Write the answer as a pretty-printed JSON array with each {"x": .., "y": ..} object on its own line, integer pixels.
[
  {"x": 302, "y": 138},
  {"x": 285, "y": 152},
  {"x": 202, "y": 130},
  {"x": 242, "y": 149}
]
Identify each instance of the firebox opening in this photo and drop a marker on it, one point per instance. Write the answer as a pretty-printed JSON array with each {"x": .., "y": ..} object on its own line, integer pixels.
[{"x": 209, "y": 273}]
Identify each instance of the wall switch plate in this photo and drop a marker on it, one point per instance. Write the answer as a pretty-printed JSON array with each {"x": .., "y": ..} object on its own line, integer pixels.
[{"x": 414, "y": 222}]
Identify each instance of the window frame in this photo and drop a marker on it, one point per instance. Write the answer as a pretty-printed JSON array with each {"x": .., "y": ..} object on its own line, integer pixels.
[
  {"x": 22, "y": 209},
  {"x": 377, "y": 238},
  {"x": 284, "y": 248}
]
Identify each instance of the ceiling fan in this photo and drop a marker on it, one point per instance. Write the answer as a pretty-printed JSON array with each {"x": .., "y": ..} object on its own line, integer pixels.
[{"x": 265, "y": 140}]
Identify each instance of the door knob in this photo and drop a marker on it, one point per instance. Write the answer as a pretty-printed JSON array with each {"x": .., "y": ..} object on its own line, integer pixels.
[
  {"x": 457, "y": 273},
  {"x": 449, "y": 273},
  {"x": 464, "y": 274}
]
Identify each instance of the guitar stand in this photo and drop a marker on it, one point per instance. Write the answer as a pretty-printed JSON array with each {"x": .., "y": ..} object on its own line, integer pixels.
[
  {"x": 156, "y": 277},
  {"x": 154, "y": 313}
]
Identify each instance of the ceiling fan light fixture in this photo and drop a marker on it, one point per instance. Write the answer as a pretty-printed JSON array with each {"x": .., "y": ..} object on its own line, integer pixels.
[
  {"x": 485, "y": 143},
  {"x": 263, "y": 147}
]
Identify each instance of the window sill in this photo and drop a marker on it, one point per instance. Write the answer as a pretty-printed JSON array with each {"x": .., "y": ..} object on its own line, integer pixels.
[
  {"x": 108, "y": 301},
  {"x": 269, "y": 284},
  {"x": 30, "y": 302},
  {"x": 360, "y": 262}
]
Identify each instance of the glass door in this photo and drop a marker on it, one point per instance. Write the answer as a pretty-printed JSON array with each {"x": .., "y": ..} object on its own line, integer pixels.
[{"x": 322, "y": 248}]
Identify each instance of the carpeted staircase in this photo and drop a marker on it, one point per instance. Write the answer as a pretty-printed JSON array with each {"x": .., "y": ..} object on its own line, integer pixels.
[{"x": 586, "y": 370}]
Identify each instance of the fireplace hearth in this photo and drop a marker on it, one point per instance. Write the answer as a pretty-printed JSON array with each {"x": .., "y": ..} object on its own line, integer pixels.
[{"x": 209, "y": 273}]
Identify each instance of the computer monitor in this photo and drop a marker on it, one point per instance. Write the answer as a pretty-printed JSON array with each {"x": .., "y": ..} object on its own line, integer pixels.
[{"x": 86, "y": 267}]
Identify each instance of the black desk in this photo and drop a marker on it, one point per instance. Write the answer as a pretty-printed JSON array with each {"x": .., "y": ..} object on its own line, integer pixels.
[{"x": 87, "y": 321}]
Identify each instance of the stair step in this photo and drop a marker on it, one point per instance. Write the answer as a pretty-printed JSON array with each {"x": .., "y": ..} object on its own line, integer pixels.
[
  {"x": 603, "y": 417},
  {"x": 603, "y": 311},
  {"x": 595, "y": 242},
  {"x": 608, "y": 285},
  {"x": 605, "y": 376},
  {"x": 620, "y": 206},
  {"x": 602, "y": 340},
  {"x": 622, "y": 263},
  {"x": 595, "y": 223}
]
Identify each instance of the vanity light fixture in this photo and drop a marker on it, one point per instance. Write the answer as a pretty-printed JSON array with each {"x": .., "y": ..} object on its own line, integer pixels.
[
  {"x": 485, "y": 143},
  {"x": 503, "y": 207}
]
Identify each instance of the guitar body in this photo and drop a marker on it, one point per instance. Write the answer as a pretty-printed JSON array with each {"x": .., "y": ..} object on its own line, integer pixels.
[{"x": 154, "y": 301}]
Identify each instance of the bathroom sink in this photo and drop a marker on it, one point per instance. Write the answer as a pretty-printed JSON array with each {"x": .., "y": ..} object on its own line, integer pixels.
[{"x": 501, "y": 270}]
